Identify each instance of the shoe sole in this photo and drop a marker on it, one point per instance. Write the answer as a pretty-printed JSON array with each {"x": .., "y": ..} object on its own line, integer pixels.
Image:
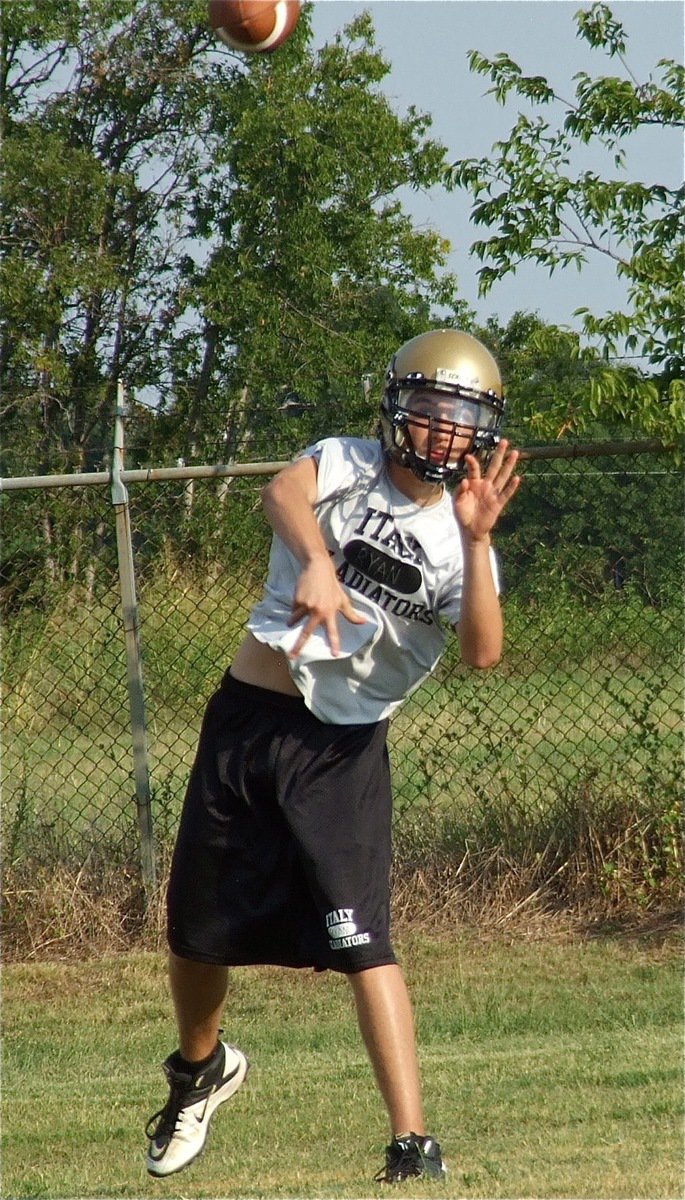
[{"x": 215, "y": 1101}]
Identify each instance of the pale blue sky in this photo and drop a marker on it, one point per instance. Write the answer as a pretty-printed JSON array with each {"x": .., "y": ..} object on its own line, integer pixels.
[{"x": 427, "y": 41}]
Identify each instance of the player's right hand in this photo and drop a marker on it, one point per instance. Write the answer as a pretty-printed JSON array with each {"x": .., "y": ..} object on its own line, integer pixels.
[{"x": 319, "y": 600}]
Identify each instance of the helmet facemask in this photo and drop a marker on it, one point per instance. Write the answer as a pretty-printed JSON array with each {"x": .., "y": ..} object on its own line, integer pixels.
[{"x": 430, "y": 430}]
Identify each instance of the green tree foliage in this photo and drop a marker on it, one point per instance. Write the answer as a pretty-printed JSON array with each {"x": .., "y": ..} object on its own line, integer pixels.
[
  {"x": 314, "y": 272},
  {"x": 547, "y": 376},
  {"x": 593, "y": 529},
  {"x": 539, "y": 208},
  {"x": 596, "y": 529},
  {"x": 217, "y": 230},
  {"x": 224, "y": 233},
  {"x": 97, "y": 101}
]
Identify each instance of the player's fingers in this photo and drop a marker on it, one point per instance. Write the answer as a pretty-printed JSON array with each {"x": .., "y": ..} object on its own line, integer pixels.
[
  {"x": 505, "y": 492},
  {"x": 504, "y": 475},
  {"x": 472, "y": 467},
  {"x": 512, "y": 486},
  {"x": 306, "y": 633},
  {"x": 497, "y": 458},
  {"x": 333, "y": 636},
  {"x": 506, "y": 469},
  {"x": 350, "y": 613},
  {"x": 298, "y": 612}
]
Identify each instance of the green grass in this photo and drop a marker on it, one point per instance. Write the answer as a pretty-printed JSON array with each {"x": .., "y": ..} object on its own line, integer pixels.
[{"x": 551, "y": 1069}]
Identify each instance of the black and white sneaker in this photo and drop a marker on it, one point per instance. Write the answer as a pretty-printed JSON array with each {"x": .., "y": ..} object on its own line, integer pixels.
[
  {"x": 178, "y": 1131},
  {"x": 411, "y": 1156}
]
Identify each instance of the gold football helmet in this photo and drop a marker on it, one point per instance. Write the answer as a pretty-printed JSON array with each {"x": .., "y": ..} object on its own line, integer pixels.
[{"x": 446, "y": 387}]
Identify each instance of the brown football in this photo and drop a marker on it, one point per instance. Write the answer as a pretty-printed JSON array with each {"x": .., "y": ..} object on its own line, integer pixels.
[{"x": 254, "y": 26}]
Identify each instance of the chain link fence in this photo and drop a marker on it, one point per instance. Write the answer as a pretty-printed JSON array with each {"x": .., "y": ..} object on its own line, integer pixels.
[{"x": 583, "y": 711}]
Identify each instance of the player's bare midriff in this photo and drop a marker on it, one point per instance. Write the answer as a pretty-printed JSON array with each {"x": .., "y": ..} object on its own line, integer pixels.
[{"x": 256, "y": 663}]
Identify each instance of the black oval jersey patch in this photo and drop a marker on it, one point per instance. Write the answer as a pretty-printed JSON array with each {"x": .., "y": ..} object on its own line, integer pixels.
[{"x": 391, "y": 572}]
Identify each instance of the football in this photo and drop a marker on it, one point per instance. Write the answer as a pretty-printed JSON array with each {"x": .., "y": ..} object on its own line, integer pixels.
[{"x": 254, "y": 26}]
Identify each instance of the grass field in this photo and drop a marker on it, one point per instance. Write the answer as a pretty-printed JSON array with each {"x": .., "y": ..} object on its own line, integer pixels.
[{"x": 552, "y": 1068}]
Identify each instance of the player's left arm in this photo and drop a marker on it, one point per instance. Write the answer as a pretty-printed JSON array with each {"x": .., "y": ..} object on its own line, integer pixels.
[{"x": 478, "y": 503}]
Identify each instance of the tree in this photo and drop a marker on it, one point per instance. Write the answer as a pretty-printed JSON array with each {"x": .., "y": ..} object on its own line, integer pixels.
[
  {"x": 214, "y": 229},
  {"x": 546, "y": 375},
  {"x": 223, "y": 233},
  {"x": 596, "y": 529},
  {"x": 99, "y": 104},
  {"x": 314, "y": 272},
  {"x": 539, "y": 209}
]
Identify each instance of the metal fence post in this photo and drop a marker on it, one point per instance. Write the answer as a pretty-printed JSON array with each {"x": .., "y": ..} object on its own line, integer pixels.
[{"x": 134, "y": 665}]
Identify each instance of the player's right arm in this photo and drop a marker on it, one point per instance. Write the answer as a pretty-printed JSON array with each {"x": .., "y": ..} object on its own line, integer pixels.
[{"x": 288, "y": 502}]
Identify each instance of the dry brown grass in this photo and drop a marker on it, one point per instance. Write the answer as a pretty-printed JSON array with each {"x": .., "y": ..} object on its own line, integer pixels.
[
  {"x": 66, "y": 913},
  {"x": 439, "y": 901},
  {"x": 589, "y": 861},
  {"x": 62, "y": 913}
]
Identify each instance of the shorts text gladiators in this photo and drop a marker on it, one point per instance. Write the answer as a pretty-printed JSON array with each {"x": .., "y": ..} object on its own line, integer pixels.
[{"x": 283, "y": 850}]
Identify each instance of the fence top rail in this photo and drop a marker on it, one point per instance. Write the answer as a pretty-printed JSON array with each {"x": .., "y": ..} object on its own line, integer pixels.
[
  {"x": 228, "y": 470},
  {"x": 140, "y": 475}
]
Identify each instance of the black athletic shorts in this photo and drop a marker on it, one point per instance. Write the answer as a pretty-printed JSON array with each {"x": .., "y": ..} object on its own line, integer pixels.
[{"x": 283, "y": 850}]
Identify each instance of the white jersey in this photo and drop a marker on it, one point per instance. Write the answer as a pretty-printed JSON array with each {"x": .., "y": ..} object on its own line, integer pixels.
[{"x": 402, "y": 565}]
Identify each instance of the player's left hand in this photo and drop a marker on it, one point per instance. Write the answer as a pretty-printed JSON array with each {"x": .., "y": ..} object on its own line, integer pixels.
[{"x": 480, "y": 498}]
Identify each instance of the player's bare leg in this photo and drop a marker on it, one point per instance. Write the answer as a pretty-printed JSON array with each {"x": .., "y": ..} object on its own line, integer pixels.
[
  {"x": 202, "y": 1074},
  {"x": 386, "y": 1022},
  {"x": 198, "y": 991}
]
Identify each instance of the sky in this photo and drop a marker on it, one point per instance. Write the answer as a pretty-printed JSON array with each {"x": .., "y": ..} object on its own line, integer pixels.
[{"x": 427, "y": 42}]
